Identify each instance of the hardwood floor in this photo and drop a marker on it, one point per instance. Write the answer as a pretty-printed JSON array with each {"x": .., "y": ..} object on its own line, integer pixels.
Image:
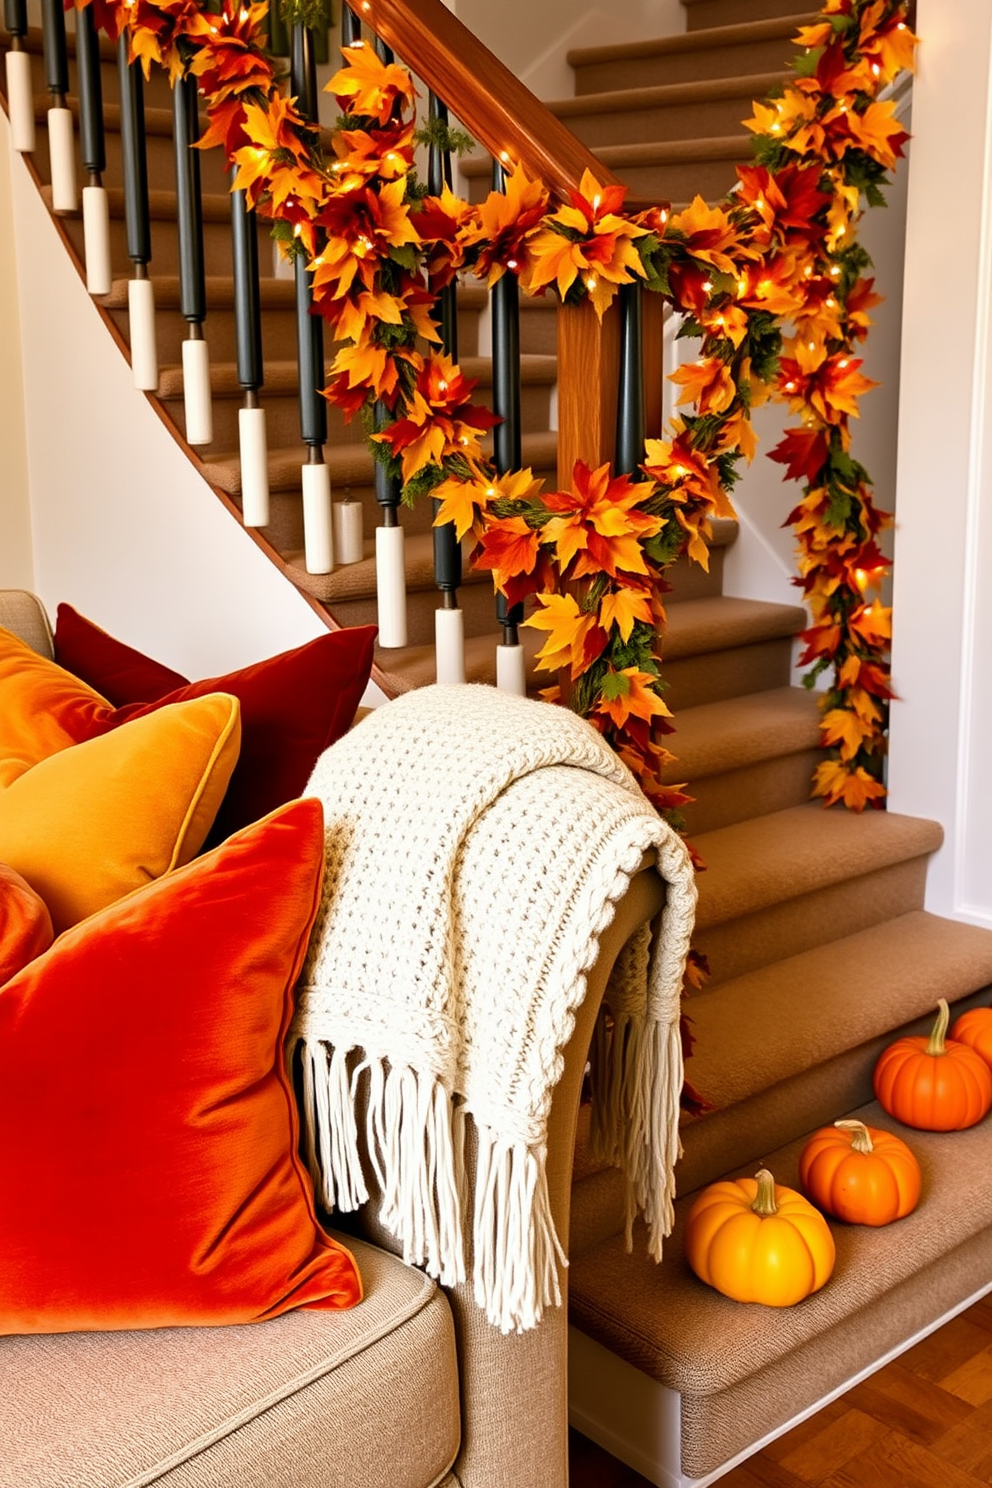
[{"x": 924, "y": 1421}]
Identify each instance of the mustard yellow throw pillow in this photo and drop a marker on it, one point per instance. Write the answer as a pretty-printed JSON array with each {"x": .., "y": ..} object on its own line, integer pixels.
[{"x": 95, "y": 820}]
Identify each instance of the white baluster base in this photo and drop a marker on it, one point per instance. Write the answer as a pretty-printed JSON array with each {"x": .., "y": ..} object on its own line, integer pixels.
[
  {"x": 449, "y": 645},
  {"x": 96, "y": 240},
  {"x": 20, "y": 101},
  {"x": 254, "y": 450},
  {"x": 144, "y": 349},
  {"x": 318, "y": 534},
  {"x": 349, "y": 544},
  {"x": 196, "y": 393},
  {"x": 511, "y": 671},
  {"x": 390, "y": 581},
  {"x": 62, "y": 147}
]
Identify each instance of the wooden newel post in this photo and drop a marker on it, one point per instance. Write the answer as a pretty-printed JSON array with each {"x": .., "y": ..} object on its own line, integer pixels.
[{"x": 588, "y": 376}]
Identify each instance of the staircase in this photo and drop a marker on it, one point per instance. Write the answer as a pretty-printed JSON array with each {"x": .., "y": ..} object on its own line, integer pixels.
[{"x": 812, "y": 921}]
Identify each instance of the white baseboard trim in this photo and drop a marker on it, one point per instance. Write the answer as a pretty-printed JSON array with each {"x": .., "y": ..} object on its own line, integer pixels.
[{"x": 636, "y": 1419}]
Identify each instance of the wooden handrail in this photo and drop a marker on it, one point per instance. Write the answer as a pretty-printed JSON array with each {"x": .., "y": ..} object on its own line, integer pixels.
[{"x": 494, "y": 106}]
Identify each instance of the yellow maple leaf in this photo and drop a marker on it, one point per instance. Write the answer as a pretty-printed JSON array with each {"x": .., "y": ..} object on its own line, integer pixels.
[
  {"x": 622, "y": 609},
  {"x": 845, "y": 729},
  {"x": 854, "y": 787},
  {"x": 461, "y": 503},
  {"x": 570, "y": 631}
]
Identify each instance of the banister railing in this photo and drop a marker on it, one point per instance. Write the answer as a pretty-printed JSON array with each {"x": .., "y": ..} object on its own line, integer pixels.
[{"x": 600, "y": 360}]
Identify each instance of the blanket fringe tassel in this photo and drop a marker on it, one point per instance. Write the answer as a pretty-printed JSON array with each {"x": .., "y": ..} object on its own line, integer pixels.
[{"x": 415, "y": 1142}]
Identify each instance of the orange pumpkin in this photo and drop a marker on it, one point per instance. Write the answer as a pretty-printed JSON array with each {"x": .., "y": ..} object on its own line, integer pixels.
[
  {"x": 757, "y": 1242},
  {"x": 974, "y": 1028},
  {"x": 934, "y": 1084},
  {"x": 860, "y": 1174}
]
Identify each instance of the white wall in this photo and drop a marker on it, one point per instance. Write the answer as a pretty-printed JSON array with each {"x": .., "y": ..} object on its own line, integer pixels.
[
  {"x": 532, "y": 38},
  {"x": 941, "y": 734},
  {"x": 16, "y": 558},
  {"x": 124, "y": 527}
]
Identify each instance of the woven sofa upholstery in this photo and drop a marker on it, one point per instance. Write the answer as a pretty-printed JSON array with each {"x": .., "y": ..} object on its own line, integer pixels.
[{"x": 410, "y": 1389}]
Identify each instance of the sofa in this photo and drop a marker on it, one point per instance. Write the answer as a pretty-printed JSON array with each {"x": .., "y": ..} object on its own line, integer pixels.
[{"x": 409, "y": 1388}]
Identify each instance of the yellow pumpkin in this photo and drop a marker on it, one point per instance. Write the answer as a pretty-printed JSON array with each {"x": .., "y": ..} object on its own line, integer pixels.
[{"x": 755, "y": 1241}]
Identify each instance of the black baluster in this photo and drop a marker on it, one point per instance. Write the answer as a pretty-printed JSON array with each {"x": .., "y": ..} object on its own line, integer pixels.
[
  {"x": 351, "y": 27},
  {"x": 20, "y": 96},
  {"x": 62, "y": 146},
  {"x": 449, "y": 630},
  {"x": 192, "y": 277},
  {"x": 96, "y": 209},
  {"x": 317, "y": 523},
  {"x": 630, "y": 402},
  {"x": 252, "y": 437},
  {"x": 507, "y": 443},
  {"x": 141, "y": 295}
]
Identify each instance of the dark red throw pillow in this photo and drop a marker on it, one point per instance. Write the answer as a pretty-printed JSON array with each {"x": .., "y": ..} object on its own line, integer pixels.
[
  {"x": 149, "y": 1173},
  {"x": 118, "y": 672},
  {"x": 293, "y": 706}
]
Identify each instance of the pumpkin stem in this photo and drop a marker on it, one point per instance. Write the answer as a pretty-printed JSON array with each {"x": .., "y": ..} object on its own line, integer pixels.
[
  {"x": 860, "y": 1135},
  {"x": 764, "y": 1200},
  {"x": 936, "y": 1044}
]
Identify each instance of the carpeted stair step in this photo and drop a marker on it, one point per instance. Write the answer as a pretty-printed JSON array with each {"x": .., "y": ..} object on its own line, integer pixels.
[
  {"x": 277, "y": 298},
  {"x": 745, "y": 757},
  {"x": 538, "y": 375},
  {"x": 694, "y": 628},
  {"x": 673, "y": 171},
  {"x": 780, "y": 884},
  {"x": 721, "y": 51},
  {"x": 157, "y": 90},
  {"x": 743, "y": 1370},
  {"x": 677, "y": 111},
  {"x": 165, "y": 244},
  {"x": 159, "y": 147}
]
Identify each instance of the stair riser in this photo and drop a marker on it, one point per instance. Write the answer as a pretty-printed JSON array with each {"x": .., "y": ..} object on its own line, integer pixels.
[
  {"x": 476, "y": 602},
  {"x": 283, "y": 418},
  {"x": 717, "y": 1427},
  {"x": 165, "y": 246},
  {"x": 157, "y": 92},
  {"x": 683, "y": 121},
  {"x": 683, "y": 67},
  {"x": 682, "y": 181},
  {"x": 159, "y": 153},
  {"x": 809, "y": 920},
  {"x": 701, "y": 14},
  {"x": 278, "y": 333},
  {"x": 723, "y": 1140},
  {"x": 716, "y": 675},
  {"x": 756, "y": 790}
]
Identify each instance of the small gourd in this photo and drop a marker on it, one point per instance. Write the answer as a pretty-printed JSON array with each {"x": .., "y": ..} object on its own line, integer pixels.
[
  {"x": 974, "y": 1028},
  {"x": 860, "y": 1174},
  {"x": 755, "y": 1241},
  {"x": 933, "y": 1084}
]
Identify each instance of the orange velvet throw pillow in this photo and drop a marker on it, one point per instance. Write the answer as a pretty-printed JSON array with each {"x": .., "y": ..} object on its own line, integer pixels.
[
  {"x": 149, "y": 1174},
  {"x": 25, "y": 924}
]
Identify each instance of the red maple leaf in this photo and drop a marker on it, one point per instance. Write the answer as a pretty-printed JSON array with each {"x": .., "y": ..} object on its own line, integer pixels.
[{"x": 803, "y": 452}]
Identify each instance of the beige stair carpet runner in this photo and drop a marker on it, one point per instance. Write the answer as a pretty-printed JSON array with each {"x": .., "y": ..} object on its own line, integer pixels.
[{"x": 477, "y": 845}]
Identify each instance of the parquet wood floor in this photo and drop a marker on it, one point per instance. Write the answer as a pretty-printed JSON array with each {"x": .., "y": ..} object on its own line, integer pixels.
[{"x": 924, "y": 1421}]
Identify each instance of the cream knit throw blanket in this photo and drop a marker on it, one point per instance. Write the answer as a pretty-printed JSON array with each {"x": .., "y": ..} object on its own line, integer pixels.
[{"x": 477, "y": 844}]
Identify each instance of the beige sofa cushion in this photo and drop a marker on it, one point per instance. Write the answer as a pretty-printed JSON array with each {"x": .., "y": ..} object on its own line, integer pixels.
[{"x": 309, "y": 1400}]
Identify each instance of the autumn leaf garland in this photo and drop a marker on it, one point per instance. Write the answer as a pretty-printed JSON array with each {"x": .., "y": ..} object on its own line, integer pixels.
[{"x": 780, "y": 250}]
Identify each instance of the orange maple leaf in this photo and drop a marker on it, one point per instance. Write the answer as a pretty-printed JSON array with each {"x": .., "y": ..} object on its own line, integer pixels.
[
  {"x": 635, "y": 697},
  {"x": 575, "y": 638},
  {"x": 368, "y": 86},
  {"x": 622, "y": 608},
  {"x": 856, "y": 788}
]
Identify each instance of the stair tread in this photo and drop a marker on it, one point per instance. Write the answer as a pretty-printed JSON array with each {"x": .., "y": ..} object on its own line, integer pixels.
[
  {"x": 158, "y": 121},
  {"x": 721, "y": 621},
  {"x": 769, "y": 859},
  {"x": 350, "y": 464},
  {"x": 738, "y": 34},
  {"x": 668, "y": 1323},
  {"x": 661, "y": 152},
  {"x": 768, "y": 1025},
  {"x": 416, "y": 666},
  {"x": 728, "y": 735},
  {"x": 667, "y": 95},
  {"x": 282, "y": 376},
  {"x": 162, "y": 205},
  {"x": 357, "y": 580},
  {"x": 274, "y": 294}
]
